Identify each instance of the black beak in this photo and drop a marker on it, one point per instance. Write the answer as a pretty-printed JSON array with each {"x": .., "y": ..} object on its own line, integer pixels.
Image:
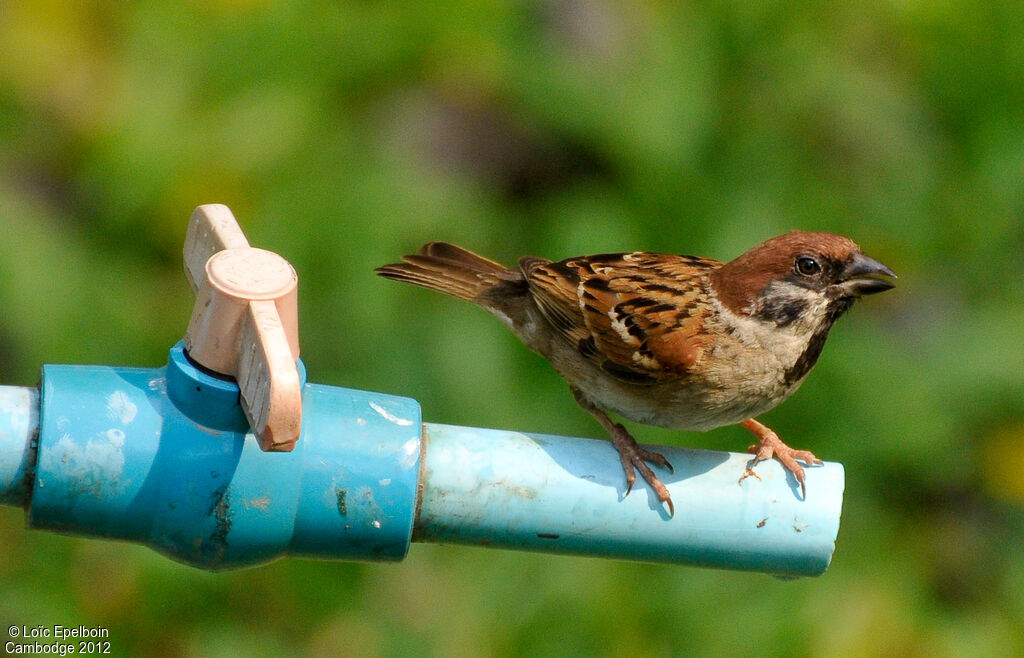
[{"x": 860, "y": 277}]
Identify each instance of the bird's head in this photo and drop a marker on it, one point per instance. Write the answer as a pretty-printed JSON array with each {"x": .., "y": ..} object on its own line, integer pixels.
[{"x": 802, "y": 280}]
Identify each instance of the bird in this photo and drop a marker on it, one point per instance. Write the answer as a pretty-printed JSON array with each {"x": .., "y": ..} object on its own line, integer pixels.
[{"x": 675, "y": 341}]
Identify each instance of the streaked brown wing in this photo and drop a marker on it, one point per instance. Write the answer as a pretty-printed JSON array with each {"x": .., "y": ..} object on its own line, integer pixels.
[{"x": 636, "y": 315}]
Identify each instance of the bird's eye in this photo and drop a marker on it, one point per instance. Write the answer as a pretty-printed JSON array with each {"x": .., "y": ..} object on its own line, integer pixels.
[{"x": 807, "y": 266}]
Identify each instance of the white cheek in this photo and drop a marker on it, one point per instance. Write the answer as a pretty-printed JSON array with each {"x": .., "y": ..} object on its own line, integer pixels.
[
  {"x": 757, "y": 333},
  {"x": 786, "y": 342},
  {"x": 816, "y": 306}
]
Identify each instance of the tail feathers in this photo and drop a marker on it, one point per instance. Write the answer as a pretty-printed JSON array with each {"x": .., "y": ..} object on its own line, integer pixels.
[{"x": 447, "y": 268}]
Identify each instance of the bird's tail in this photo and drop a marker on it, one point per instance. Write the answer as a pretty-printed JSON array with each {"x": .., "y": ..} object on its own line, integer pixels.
[{"x": 446, "y": 268}]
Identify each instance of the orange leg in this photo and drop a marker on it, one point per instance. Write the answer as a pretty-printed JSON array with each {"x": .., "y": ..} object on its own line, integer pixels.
[
  {"x": 633, "y": 457},
  {"x": 769, "y": 445}
]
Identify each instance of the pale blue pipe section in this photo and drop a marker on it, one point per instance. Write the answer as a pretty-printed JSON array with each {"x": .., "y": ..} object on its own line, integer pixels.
[{"x": 506, "y": 489}]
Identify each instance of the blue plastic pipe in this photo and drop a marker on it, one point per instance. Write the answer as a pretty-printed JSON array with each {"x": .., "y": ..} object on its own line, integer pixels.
[
  {"x": 506, "y": 489},
  {"x": 164, "y": 457}
]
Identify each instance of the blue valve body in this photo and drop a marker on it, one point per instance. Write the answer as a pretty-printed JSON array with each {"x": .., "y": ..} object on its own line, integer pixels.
[{"x": 156, "y": 456}]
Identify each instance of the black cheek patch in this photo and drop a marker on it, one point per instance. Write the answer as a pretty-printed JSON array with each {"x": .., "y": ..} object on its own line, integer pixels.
[{"x": 782, "y": 312}]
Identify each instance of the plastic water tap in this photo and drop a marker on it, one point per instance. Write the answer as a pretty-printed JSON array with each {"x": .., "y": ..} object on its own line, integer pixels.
[{"x": 227, "y": 457}]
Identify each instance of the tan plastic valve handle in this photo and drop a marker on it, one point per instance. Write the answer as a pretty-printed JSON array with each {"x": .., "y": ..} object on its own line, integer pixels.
[{"x": 245, "y": 322}]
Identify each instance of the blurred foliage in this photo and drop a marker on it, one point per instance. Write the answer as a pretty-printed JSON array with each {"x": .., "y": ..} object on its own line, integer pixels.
[{"x": 344, "y": 134}]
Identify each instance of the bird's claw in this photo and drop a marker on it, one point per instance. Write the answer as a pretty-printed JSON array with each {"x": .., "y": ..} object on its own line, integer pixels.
[
  {"x": 634, "y": 458},
  {"x": 770, "y": 445}
]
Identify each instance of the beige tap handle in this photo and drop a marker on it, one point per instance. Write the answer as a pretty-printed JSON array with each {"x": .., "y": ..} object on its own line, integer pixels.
[{"x": 245, "y": 322}]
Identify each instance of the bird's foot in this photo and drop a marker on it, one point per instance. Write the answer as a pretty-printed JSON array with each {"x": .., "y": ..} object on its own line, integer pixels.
[
  {"x": 769, "y": 445},
  {"x": 634, "y": 458}
]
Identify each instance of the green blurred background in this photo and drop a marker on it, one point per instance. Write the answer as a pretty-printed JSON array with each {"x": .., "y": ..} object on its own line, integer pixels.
[{"x": 345, "y": 134}]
